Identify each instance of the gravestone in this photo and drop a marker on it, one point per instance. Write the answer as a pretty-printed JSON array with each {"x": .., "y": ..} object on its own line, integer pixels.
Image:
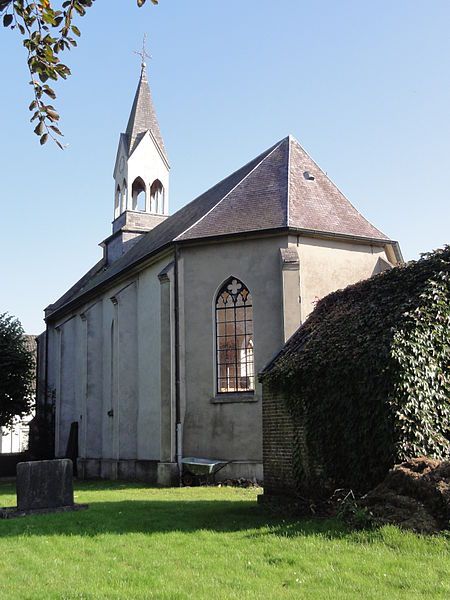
[{"x": 43, "y": 486}]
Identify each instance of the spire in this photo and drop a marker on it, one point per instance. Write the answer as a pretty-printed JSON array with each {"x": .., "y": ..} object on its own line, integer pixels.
[{"x": 143, "y": 115}]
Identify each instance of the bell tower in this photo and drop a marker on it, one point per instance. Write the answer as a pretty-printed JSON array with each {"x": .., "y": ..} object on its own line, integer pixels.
[{"x": 141, "y": 174}]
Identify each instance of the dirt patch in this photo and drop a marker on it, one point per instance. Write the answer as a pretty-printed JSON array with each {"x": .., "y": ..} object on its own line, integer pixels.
[
  {"x": 415, "y": 495},
  {"x": 241, "y": 482}
]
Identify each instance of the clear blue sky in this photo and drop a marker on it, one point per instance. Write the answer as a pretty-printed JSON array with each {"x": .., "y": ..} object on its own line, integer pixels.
[{"x": 364, "y": 86}]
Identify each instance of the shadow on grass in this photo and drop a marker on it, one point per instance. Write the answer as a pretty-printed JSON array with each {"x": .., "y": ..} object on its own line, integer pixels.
[{"x": 155, "y": 517}]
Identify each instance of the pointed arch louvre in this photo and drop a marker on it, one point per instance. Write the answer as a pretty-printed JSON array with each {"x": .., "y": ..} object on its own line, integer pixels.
[
  {"x": 234, "y": 338},
  {"x": 157, "y": 197},
  {"x": 139, "y": 195}
]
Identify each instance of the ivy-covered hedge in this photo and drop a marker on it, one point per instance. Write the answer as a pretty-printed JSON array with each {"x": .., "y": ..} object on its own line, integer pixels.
[{"x": 366, "y": 378}]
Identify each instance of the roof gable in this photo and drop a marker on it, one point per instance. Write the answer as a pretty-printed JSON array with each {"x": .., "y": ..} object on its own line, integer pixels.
[{"x": 122, "y": 150}]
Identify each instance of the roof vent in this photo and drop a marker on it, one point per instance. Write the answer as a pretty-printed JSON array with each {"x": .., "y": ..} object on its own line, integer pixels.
[{"x": 307, "y": 175}]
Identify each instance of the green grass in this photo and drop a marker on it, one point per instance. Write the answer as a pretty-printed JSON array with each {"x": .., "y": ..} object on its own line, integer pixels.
[{"x": 139, "y": 542}]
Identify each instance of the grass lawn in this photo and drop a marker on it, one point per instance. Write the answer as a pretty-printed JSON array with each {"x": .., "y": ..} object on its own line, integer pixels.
[{"x": 141, "y": 542}]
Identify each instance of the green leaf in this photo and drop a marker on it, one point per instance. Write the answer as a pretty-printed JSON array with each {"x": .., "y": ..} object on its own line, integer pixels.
[{"x": 43, "y": 139}]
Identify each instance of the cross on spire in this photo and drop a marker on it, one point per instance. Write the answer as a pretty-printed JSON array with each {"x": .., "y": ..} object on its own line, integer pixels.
[{"x": 143, "y": 53}]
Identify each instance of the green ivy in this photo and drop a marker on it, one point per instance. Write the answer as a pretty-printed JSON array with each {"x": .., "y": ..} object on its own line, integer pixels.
[{"x": 366, "y": 379}]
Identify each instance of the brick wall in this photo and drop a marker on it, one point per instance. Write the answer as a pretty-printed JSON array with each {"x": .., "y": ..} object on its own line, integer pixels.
[{"x": 278, "y": 435}]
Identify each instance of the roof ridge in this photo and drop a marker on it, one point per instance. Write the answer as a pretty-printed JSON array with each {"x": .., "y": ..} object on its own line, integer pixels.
[
  {"x": 266, "y": 155},
  {"x": 288, "y": 191}
]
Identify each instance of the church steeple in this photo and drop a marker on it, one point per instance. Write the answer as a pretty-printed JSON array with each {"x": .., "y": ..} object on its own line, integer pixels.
[
  {"x": 141, "y": 173},
  {"x": 143, "y": 116}
]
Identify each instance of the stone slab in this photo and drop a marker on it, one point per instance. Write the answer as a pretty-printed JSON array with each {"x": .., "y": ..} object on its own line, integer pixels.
[{"x": 44, "y": 484}]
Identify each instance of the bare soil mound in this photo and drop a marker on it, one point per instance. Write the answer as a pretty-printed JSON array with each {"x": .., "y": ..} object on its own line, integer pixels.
[{"x": 415, "y": 495}]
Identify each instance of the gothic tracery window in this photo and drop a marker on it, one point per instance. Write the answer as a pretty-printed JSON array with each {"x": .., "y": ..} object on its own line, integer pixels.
[{"x": 234, "y": 338}]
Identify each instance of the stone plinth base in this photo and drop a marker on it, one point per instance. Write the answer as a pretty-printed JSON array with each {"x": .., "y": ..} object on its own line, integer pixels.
[
  {"x": 165, "y": 474},
  {"x": 168, "y": 474},
  {"x": 148, "y": 471},
  {"x": 251, "y": 470}
]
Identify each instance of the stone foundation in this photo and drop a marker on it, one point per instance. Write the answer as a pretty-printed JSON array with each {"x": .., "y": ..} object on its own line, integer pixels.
[
  {"x": 158, "y": 473},
  {"x": 241, "y": 469},
  {"x": 148, "y": 471}
]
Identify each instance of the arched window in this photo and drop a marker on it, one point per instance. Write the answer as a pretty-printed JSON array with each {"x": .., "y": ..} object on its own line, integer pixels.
[
  {"x": 157, "y": 197},
  {"x": 138, "y": 194},
  {"x": 234, "y": 338}
]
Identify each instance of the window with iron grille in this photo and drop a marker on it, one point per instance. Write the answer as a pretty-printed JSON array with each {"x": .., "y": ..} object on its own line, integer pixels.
[{"x": 234, "y": 338}]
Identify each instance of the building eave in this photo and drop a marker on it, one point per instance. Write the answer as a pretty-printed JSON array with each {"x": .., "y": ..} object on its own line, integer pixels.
[
  {"x": 145, "y": 261},
  {"x": 80, "y": 300}
]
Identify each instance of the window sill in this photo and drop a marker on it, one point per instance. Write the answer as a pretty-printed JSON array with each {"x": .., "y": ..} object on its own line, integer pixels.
[{"x": 231, "y": 397}]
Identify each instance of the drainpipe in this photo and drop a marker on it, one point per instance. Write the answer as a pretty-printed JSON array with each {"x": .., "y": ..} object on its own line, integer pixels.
[{"x": 179, "y": 426}]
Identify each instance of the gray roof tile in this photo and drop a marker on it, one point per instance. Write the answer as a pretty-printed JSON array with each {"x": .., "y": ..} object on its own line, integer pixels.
[
  {"x": 258, "y": 202},
  {"x": 315, "y": 203}
]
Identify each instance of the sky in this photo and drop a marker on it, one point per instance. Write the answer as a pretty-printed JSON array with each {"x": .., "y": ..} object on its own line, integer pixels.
[{"x": 364, "y": 86}]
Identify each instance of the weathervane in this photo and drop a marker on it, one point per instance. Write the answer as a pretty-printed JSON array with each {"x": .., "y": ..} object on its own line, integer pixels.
[{"x": 143, "y": 53}]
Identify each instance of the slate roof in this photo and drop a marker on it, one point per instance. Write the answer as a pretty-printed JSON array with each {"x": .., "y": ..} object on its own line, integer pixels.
[
  {"x": 317, "y": 204},
  {"x": 281, "y": 188},
  {"x": 143, "y": 116},
  {"x": 287, "y": 189}
]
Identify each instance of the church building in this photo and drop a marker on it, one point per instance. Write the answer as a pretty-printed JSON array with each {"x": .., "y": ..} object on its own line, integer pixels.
[{"x": 154, "y": 354}]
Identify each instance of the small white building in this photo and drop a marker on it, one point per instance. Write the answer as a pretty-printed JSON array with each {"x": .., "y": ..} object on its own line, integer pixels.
[
  {"x": 15, "y": 438},
  {"x": 153, "y": 353}
]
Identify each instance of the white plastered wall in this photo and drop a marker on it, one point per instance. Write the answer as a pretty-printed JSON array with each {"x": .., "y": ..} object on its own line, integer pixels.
[
  {"x": 229, "y": 430},
  {"x": 105, "y": 358},
  {"x": 147, "y": 163},
  {"x": 329, "y": 265}
]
